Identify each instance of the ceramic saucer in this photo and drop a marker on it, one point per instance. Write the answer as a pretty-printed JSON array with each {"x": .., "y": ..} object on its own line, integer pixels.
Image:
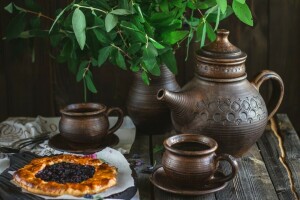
[
  {"x": 58, "y": 142},
  {"x": 162, "y": 181}
]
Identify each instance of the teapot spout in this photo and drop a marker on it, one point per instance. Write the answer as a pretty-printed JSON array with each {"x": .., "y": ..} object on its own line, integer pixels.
[{"x": 178, "y": 104}]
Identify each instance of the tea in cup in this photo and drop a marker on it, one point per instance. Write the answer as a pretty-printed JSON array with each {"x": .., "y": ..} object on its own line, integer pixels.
[
  {"x": 190, "y": 160},
  {"x": 87, "y": 122}
]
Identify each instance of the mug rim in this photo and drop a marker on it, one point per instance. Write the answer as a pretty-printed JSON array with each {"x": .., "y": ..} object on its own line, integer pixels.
[
  {"x": 99, "y": 108},
  {"x": 188, "y": 137}
]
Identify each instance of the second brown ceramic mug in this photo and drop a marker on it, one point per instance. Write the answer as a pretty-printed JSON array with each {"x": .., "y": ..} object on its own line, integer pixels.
[
  {"x": 87, "y": 122},
  {"x": 190, "y": 160}
]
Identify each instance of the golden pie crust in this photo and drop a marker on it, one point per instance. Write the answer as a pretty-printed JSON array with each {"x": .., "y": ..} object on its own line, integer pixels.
[{"x": 103, "y": 178}]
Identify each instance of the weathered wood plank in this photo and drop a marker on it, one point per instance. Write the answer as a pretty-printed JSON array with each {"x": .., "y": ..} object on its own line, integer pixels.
[
  {"x": 157, "y": 140},
  {"x": 271, "y": 152},
  {"x": 140, "y": 153},
  {"x": 291, "y": 144},
  {"x": 252, "y": 180}
]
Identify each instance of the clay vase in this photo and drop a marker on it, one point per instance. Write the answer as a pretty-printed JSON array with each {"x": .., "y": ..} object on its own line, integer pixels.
[
  {"x": 190, "y": 160},
  {"x": 220, "y": 102},
  {"x": 149, "y": 115},
  {"x": 87, "y": 122}
]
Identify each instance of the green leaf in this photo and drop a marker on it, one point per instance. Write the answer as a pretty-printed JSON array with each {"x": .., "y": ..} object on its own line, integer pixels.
[
  {"x": 241, "y": 1},
  {"x": 152, "y": 66},
  {"x": 218, "y": 19},
  {"x": 156, "y": 44},
  {"x": 81, "y": 70},
  {"x": 59, "y": 15},
  {"x": 89, "y": 83},
  {"x": 135, "y": 68},
  {"x": 203, "y": 5},
  {"x": 103, "y": 55},
  {"x": 139, "y": 11},
  {"x": 132, "y": 31},
  {"x": 72, "y": 65},
  {"x": 211, "y": 10},
  {"x": 98, "y": 21},
  {"x": 149, "y": 51},
  {"x": 33, "y": 34},
  {"x": 121, "y": 12},
  {"x": 145, "y": 78},
  {"x": 164, "y": 6},
  {"x": 101, "y": 36},
  {"x": 55, "y": 39},
  {"x": 120, "y": 60},
  {"x": 210, "y": 32},
  {"x": 9, "y": 8},
  {"x": 174, "y": 36},
  {"x": 94, "y": 62},
  {"x": 169, "y": 60},
  {"x": 15, "y": 26},
  {"x": 79, "y": 25},
  {"x": 242, "y": 12},
  {"x": 213, "y": 16},
  {"x": 200, "y": 30},
  {"x": 222, "y": 5},
  {"x": 110, "y": 22},
  {"x": 134, "y": 48},
  {"x": 203, "y": 35}
]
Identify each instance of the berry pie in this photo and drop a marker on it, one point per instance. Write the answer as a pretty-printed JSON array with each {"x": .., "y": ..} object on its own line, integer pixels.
[{"x": 66, "y": 174}]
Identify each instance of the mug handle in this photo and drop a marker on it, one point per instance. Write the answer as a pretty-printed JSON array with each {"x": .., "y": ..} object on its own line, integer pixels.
[
  {"x": 119, "y": 121},
  {"x": 234, "y": 168},
  {"x": 278, "y": 89}
]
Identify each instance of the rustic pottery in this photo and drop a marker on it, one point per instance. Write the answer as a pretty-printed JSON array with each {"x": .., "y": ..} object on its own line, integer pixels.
[
  {"x": 87, "y": 122},
  {"x": 161, "y": 180},
  {"x": 190, "y": 160},
  {"x": 149, "y": 115},
  {"x": 220, "y": 102}
]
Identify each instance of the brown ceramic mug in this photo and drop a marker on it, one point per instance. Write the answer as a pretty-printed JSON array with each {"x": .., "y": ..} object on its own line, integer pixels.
[
  {"x": 87, "y": 122},
  {"x": 190, "y": 160}
]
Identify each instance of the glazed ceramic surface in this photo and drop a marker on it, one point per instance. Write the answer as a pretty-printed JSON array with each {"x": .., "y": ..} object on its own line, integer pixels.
[
  {"x": 190, "y": 160},
  {"x": 220, "y": 102},
  {"x": 87, "y": 122},
  {"x": 148, "y": 114}
]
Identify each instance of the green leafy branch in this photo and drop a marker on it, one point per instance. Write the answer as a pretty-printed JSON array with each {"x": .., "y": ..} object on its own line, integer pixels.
[{"x": 138, "y": 35}]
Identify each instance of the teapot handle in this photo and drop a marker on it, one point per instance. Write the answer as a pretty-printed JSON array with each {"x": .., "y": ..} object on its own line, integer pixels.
[
  {"x": 119, "y": 121},
  {"x": 278, "y": 89}
]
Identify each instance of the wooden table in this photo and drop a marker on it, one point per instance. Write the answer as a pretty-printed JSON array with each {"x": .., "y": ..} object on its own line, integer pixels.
[{"x": 270, "y": 170}]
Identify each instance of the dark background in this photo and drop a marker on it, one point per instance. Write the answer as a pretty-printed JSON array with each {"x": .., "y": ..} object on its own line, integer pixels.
[{"x": 43, "y": 87}]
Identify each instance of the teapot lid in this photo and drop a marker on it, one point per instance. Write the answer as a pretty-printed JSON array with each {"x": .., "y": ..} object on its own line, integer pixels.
[{"x": 221, "y": 59}]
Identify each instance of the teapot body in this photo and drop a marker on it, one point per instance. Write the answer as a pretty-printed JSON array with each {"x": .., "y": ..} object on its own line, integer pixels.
[{"x": 233, "y": 113}]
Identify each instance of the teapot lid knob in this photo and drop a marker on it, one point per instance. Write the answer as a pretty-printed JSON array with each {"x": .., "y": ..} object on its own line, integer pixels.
[{"x": 222, "y": 35}]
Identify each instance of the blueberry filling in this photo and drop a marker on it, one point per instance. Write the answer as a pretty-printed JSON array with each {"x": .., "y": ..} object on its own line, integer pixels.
[{"x": 66, "y": 173}]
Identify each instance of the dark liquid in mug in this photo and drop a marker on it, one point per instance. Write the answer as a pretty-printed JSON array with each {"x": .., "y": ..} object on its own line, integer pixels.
[
  {"x": 190, "y": 146},
  {"x": 82, "y": 110}
]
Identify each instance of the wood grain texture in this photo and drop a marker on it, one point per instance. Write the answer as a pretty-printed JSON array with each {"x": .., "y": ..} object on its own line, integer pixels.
[
  {"x": 270, "y": 151},
  {"x": 291, "y": 144},
  {"x": 252, "y": 181},
  {"x": 140, "y": 147}
]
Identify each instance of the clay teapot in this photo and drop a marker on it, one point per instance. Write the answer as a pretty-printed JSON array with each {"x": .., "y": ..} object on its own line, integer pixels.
[{"x": 220, "y": 102}]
